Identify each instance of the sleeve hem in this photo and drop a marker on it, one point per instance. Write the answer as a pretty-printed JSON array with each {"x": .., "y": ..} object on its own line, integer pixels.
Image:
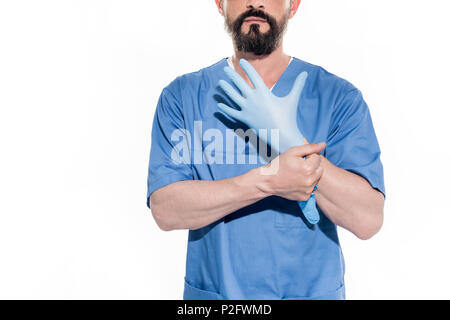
[
  {"x": 372, "y": 181},
  {"x": 163, "y": 181}
]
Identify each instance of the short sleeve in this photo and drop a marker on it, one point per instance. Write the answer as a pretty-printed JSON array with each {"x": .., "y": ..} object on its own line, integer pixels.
[
  {"x": 352, "y": 143},
  {"x": 168, "y": 122}
]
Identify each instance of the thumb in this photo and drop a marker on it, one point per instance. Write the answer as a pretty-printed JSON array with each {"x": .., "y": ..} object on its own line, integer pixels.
[{"x": 307, "y": 149}]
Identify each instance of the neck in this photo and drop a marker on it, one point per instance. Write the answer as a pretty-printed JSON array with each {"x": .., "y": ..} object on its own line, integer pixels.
[{"x": 269, "y": 67}]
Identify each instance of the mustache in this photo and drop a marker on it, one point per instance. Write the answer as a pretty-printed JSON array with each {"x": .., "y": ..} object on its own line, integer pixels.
[{"x": 253, "y": 13}]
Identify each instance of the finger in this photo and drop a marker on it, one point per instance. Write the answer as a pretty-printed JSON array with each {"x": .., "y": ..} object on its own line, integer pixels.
[
  {"x": 317, "y": 176},
  {"x": 314, "y": 161},
  {"x": 298, "y": 86},
  {"x": 232, "y": 93},
  {"x": 254, "y": 77},
  {"x": 230, "y": 111},
  {"x": 307, "y": 149},
  {"x": 238, "y": 81},
  {"x": 320, "y": 171}
]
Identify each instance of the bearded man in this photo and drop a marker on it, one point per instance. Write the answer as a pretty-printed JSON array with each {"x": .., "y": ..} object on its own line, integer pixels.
[{"x": 248, "y": 237}]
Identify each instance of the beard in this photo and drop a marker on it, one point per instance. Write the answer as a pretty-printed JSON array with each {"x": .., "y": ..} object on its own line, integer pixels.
[{"x": 254, "y": 41}]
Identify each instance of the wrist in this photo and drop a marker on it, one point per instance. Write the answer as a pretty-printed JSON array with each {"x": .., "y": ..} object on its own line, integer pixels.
[
  {"x": 262, "y": 179},
  {"x": 248, "y": 186}
]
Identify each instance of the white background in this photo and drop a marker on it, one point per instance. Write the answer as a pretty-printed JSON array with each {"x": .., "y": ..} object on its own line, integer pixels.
[{"x": 79, "y": 82}]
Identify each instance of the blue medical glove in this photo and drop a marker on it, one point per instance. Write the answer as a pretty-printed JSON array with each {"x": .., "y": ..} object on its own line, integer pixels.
[{"x": 261, "y": 109}]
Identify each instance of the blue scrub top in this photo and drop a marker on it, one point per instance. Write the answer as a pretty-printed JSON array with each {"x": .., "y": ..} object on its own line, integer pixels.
[{"x": 266, "y": 250}]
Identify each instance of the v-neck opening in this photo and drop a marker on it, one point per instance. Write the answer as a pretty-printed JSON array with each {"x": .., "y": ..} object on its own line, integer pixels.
[{"x": 228, "y": 60}]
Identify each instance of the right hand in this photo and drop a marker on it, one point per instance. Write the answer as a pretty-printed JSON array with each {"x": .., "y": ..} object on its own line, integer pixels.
[{"x": 294, "y": 177}]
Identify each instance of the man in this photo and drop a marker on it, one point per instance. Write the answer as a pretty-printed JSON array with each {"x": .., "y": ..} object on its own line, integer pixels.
[{"x": 248, "y": 238}]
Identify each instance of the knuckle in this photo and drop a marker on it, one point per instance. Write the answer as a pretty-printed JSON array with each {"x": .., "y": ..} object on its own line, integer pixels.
[
  {"x": 309, "y": 181},
  {"x": 315, "y": 160},
  {"x": 308, "y": 169}
]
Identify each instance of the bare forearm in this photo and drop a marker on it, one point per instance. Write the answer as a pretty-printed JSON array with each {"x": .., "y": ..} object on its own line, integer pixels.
[
  {"x": 192, "y": 204},
  {"x": 350, "y": 201}
]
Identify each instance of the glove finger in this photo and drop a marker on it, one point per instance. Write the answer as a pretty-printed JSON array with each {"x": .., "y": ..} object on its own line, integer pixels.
[
  {"x": 238, "y": 81},
  {"x": 232, "y": 93},
  {"x": 255, "y": 78},
  {"x": 230, "y": 111},
  {"x": 298, "y": 86}
]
